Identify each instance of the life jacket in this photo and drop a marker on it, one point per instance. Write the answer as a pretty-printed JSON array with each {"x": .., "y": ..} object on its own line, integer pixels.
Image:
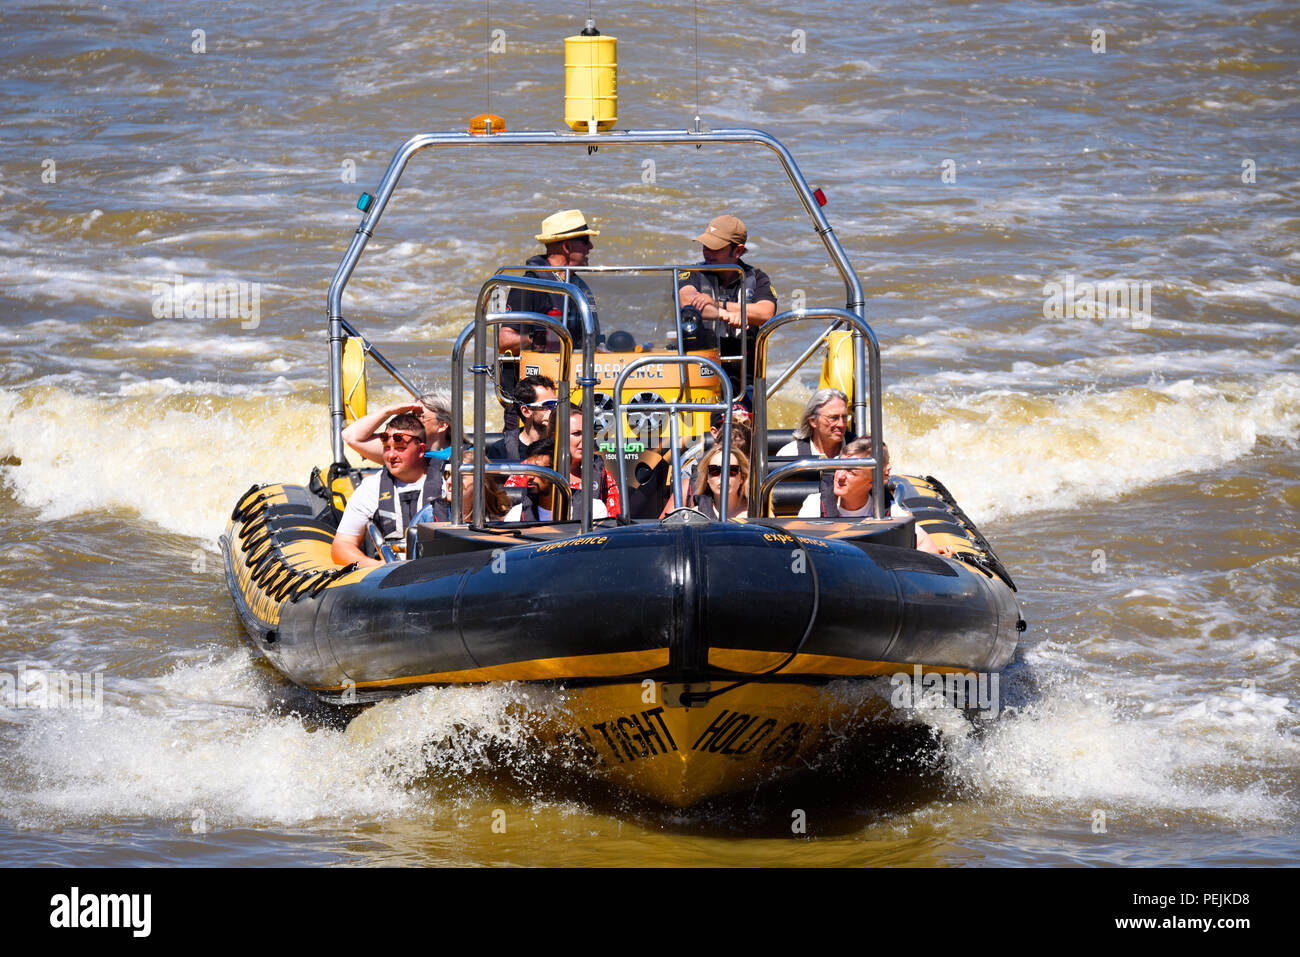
[
  {"x": 805, "y": 449},
  {"x": 412, "y": 500},
  {"x": 720, "y": 292},
  {"x": 708, "y": 508},
  {"x": 528, "y": 509},
  {"x": 554, "y": 302},
  {"x": 511, "y": 448},
  {"x": 826, "y": 481},
  {"x": 724, "y": 294}
]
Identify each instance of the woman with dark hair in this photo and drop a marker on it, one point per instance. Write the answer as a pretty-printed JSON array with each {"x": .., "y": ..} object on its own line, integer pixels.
[{"x": 710, "y": 481}]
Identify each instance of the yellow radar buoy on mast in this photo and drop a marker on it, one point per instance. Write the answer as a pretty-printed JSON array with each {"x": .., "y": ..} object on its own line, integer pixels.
[{"x": 590, "y": 81}]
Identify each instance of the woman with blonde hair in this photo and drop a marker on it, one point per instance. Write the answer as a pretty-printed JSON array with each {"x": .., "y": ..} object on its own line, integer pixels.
[{"x": 711, "y": 480}]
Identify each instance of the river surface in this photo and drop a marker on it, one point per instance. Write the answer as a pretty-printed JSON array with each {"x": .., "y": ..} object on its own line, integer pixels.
[{"x": 1138, "y": 470}]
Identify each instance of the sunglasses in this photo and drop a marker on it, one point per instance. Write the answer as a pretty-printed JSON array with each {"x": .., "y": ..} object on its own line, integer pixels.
[
  {"x": 398, "y": 440},
  {"x": 715, "y": 471},
  {"x": 544, "y": 404}
]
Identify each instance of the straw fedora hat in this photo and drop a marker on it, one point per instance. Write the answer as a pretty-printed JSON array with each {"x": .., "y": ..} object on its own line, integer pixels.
[{"x": 566, "y": 224}]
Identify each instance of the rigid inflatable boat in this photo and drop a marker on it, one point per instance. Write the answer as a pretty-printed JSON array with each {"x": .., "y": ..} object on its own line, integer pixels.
[{"x": 681, "y": 657}]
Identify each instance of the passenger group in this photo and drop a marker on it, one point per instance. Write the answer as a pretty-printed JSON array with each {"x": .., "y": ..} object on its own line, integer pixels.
[{"x": 412, "y": 441}]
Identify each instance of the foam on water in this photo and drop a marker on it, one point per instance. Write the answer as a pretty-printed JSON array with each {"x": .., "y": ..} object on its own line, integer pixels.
[
  {"x": 125, "y": 283},
  {"x": 172, "y": 458},
  {"x": 167, "y": 386},
  {"x": 159, "y": 343},
  {"x": 1114, "y": 369},
  {"x": 1072, "y": 746},
  {"x": 1006, "y": 453},
  {"x": 210, "y": 737},
  {"x": 251, "y": 768},
  {"x": 151, "y": 446}
]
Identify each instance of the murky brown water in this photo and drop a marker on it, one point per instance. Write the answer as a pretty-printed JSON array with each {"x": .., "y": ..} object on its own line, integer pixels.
[{"x": 1137, "y": 473}]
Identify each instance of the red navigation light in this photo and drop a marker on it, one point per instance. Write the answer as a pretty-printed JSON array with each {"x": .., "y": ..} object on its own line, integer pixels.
[{"x": 820, "y": 197}]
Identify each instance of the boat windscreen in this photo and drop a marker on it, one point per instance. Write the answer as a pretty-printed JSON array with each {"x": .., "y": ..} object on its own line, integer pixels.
[{"x": 636, "y": 309}]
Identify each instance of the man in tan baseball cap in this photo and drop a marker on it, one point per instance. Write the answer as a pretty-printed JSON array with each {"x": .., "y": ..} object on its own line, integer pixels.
[
  {"x": 717, "y": 294},
  {"x": 723, "y": 231},
  {"x": 567, "y": 238}
]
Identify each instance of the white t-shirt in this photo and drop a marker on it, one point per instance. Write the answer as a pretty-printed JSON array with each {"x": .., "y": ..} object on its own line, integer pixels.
[
  {"x": 791, "y": 449},
  {"x": 812, "y": 508},
  {"x": 364, "y": 503},
  {"x": 516, "y": 514}
]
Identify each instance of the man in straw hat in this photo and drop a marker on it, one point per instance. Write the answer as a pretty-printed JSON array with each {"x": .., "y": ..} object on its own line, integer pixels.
[{"x": 567, "y": 238}]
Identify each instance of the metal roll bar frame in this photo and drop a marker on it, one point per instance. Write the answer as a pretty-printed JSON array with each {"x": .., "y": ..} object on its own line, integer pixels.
[
  {"x": 374, "y": 210},
  {"x": 759, "y": 481},
  {"x": 477, "y": 330}
]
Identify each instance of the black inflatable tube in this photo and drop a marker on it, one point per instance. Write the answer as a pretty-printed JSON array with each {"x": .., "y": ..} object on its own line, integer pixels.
[{"x": 683, "y": 589}]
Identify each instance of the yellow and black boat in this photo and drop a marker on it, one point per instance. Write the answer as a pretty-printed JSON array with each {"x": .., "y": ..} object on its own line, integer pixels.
[{"x": 681, "y": 657}]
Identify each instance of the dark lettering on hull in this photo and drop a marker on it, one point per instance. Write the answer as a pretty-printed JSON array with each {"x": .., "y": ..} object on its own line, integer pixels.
[
  {"x": 713, "y": 729},
  {"x": 633, "y": 747},
  {"x": 754, "y": 739},
  {"x": 732, "y": 732},
  {"x": 658, "y": 715},
  {"x": 608, "y": 740},
  {"x": 636, "y": 736}
]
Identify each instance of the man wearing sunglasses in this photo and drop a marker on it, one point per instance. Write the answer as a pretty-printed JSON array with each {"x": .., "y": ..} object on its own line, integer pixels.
[
  {"x": 535, "y": 400},
  {"x": 392, "y": 497}
]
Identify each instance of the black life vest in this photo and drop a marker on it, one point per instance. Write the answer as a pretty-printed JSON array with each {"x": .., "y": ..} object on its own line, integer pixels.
[
  {"x": 600, "y": 484},
  {"x": 411, "y": 500},
  {"x": 830, "y": 502},
  {"x": 553, "y": 303},
  {"x": 729, "y": 338},
  {"x": 719, "y": 292},
  {"x": 707, "y": 507},
  {"x": 826, "y": 481},
  {"x": 528, "y": 509},
  {"x": 509, "y": 449}
]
